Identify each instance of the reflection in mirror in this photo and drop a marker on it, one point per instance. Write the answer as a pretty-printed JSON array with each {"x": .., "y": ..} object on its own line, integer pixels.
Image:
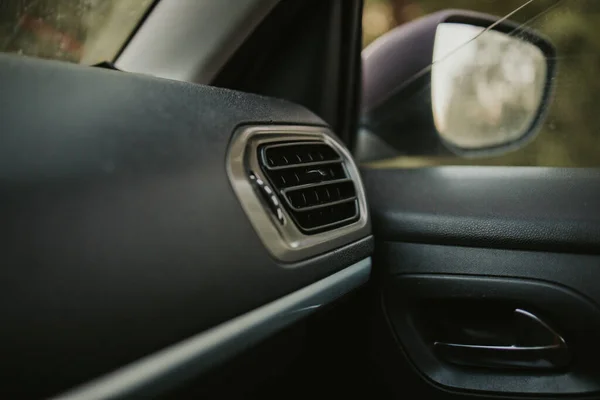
[{"x": 486, "y": 86}]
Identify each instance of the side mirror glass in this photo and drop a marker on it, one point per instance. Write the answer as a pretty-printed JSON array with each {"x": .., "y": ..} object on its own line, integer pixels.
[
  {"x": 456, "y": 82},
  {"x": 486, "y": 86}
]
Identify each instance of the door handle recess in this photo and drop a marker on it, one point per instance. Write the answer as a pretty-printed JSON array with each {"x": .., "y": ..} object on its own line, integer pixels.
[{"x": 551, "y": 353}]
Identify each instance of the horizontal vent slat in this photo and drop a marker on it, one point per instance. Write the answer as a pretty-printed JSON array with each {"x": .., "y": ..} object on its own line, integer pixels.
[
  {"x": 284, "y": 155},
  {"x": 305, "y": 175},
  {"x": 316, "y": 207},
  {"x": 313, "y": 164},
  {"x": 310, "y": 197},
  {"x": 323, "y": 217},
  {"x": 313, "y": 184}
]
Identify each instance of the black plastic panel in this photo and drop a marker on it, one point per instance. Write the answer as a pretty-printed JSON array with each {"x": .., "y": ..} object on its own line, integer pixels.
[
  {"x": 562, "y": 287},
  {"x": 577, "y": 318},
  {"x": 580, "y": 272},
  {"x": 550, "y": 209},
  {"x": 120, "y": 231},
  {"x": 524, "y": 237}
]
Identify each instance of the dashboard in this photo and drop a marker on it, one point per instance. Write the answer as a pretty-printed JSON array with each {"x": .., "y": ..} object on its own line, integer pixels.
[{"x": 136, "y": 239}]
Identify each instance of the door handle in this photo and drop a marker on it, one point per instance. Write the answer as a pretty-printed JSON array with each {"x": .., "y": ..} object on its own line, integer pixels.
[{"x": 551, "y": 353}]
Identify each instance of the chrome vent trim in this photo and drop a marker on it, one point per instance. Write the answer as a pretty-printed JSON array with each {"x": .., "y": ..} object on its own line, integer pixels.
[{"x": 262, "y": 199}]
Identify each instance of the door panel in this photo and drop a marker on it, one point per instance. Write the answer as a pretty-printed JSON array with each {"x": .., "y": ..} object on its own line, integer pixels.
[
  {"x": 458, "y": 250},
  {"x": 504, "y": 207}
]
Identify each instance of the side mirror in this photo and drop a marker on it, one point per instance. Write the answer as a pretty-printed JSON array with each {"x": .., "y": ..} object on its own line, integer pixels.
[{"x": 457, "y": 82}]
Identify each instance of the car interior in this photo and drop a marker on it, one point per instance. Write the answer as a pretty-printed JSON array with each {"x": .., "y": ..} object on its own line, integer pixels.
[{"x": 198, "y": 217}]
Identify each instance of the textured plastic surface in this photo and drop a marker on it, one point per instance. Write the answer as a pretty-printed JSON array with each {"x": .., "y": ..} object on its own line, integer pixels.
[
  {"x": 527, "y": 236},
  {"x": 120, "y": 231},
  {"x": 550, "y": 209}
]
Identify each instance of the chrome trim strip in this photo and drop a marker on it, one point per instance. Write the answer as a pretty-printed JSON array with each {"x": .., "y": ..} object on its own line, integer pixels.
[
  {"x": 199, "y": 353},
  {"x": 287, "y": 242}
]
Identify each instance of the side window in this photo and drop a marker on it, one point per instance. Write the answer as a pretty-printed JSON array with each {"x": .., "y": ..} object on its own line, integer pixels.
[
  {"x": 569, "y": 135},
  {"x": 79, "y": 31}
]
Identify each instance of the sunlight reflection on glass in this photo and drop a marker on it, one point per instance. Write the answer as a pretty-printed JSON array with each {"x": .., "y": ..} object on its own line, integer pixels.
[{"x": 486, "y": 89}]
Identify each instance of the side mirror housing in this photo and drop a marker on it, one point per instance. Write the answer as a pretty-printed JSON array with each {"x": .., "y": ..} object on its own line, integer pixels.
[{"x": 457, "y": 82}]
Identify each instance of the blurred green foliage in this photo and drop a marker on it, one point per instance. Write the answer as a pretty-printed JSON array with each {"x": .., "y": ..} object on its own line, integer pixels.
[{"x": 570, "y": 135}]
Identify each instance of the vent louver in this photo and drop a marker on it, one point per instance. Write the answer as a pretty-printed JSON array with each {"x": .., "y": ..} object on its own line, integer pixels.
[
  {"x": 313, "y": 184},
  {"x": 299, "y": 187}
]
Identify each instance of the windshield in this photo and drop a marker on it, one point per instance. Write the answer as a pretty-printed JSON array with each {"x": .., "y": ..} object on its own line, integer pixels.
[{"x": 79, "y": 31}]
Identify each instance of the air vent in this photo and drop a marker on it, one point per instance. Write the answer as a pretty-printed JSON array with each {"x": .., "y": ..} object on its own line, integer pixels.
[
  {"x": 299, "y": 187},
  {"x": 312, "y": 182}
]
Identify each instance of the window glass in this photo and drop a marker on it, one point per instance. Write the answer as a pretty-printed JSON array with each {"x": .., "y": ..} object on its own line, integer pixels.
[
  {"x": 570, "y": 133},
  {"x": 79, "y": 31}
]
